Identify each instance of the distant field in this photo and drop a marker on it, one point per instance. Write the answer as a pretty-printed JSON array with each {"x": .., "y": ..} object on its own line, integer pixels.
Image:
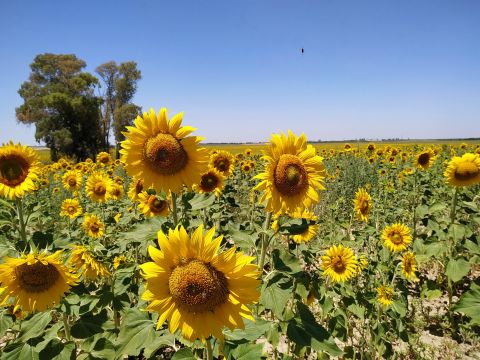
[{"x": 337, "y": 145}]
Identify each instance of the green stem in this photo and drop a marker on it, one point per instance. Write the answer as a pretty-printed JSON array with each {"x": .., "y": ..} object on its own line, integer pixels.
[
  {"x": 265, "y": 241},
  {"x": 67, "y": 327},
  {"x": 454, "y": 206},
  {"x": 21, "y": 220},
  {"x": 174, "y": 209},
  {"x": 415, "y": 204},
  {"x": 208, "y": 350}
]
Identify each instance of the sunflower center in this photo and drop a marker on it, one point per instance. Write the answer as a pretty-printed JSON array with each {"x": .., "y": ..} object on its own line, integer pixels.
[
  {"x": 165, "y": 154},
  {"x": 221, "y": 164},
  {"x": 37, "y": 277},
  {"x": 156, "y": 205},
  {"x": 424, "y": 159},
  {"x": 466, "y": 171},
  {"x": 94, "y": 228},
  {"x": 408, "y": 266},
  {"x": 198, "y": 286},
  {"x": 338, "y": 264},
  {"x": 72, "y": 182},
  {"x": 99, "y": 188},
  {"x": 290, "y": 176},
  {"x": 13, "y": 170},
  {"x": 397, "y": 239},
  {"x": 71, "y": 209},
  {"x": 139, "y": 186},
  {"x": 364, "y": 206},
  {"x": 208, "y": 182}
]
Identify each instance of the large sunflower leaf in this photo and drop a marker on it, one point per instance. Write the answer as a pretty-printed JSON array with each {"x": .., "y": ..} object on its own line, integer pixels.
[
  {"x": 469, "y": 304},
  {"x": 136, "y": 332}
]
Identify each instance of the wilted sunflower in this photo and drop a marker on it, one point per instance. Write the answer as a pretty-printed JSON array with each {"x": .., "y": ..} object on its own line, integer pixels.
[
  {"x": 425, "y": 159},
  {"x": 464, "y": 170},
  {"x": 197, "y": 289},
  {"x": 396, "y": 237},
  {"x": 152, "y": 205},
  {"x": 98, "y": 186},
  {"x": 160, "y": 152},
  {"x": 223, "y": 161},
  {"x": 409, "y": 266},
  {"x": 72, "y": 180},
  {"x": 362, "y": 204},
  {"x": 19, "y": 168},
  {"x": 93, "y": 226},
  {"x": 385, "y": 295},
  {"x": 339, "y": 263},
  {"x": 104, "y": 158},
  {"x": 292, "y": 176},
  {"x": 84, "y": 260},
  {"x": 71, "y": 208},
  {"x": 211, "y": 181},
  {"x": 35, "y": 281}
]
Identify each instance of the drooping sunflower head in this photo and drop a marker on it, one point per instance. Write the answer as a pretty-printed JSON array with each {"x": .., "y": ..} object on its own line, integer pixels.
[
  {"x": 197, "y": 289},
  {"x": 312, "y": 229},
  {"x": 464, "y": 170},
  {"x": 116, "y": 191},
  {"x": 152, "y": 205},
  {"x": 396, "y": 237},
  {"x": 409, "y": 266},
  {"x": 135, "y": 188},
  {"x": 385, "y": 295},
  {"x": 98, "y": 186},
  {"x": 362, "y": 204},
  {"x": 211, "y": 181},
  {"x": 104, "y": 158},
  {"x": 84, "y": 260},
  {"x": 223, "y": 162},
  {"x": 425, "y": 159},
  {"x": 72, "y": 180},
  {"x": 19, "y": 168},
  {"x": 339, "y": 263},
  {"x": 35, "y": 282},
  {"x": 93, "y": 226},
  {"x": 292, "y": 176},
  {"x": 71, "y": 208},
  {"x": 160, "y": 152}
]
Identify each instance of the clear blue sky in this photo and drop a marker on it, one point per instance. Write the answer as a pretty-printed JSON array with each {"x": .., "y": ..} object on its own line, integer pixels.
[{"x": 374, "y": 69}]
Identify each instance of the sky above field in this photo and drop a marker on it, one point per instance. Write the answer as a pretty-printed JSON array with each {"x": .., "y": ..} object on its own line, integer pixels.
[{"x": 370, "y": 69}]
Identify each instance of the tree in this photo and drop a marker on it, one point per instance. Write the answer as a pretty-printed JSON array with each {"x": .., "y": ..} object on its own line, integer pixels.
[
  {"x": 120, "y": 83},
  {"x": 59, "y": 99}
]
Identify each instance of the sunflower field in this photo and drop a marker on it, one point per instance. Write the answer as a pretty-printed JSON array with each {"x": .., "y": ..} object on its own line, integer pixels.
[{"x": 176, "y": 251}]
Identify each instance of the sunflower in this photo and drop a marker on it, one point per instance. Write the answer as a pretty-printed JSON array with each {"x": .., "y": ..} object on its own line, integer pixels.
[
  {"x": 71, "y": 208},
  {"x": 84, "y": 260},
  {"x": 35, "y": 281},
  {"x": 312, "y": 229},
  {"x": 135, "y": 188},
  {"x": 292, "y": 176},
  {"x": 223, "y": 161},
  {"x": 347, "y": 147},
  {"x": 371, "y": 147},
  {"x": 99, "y": 186},
  {"x": 362, "y": 204},
  {"x": 119, "y": 260},
  {"x": 339, "y": 263},
  {"x": 160, "y": 152},
  {"x": 93, "y": 226},
  {"x": 385, "y": 295},
  {"x": 247, "y": 152},
  {"x": 72, "y": 180},
  {"x": 425, "y": 159},
  {"x": 211, "y": 181},
  {"x": 409, "y": 266},
  {"x": 117, "y": 218},
  {"x": 19, "y": 168},
  {"x": 246, "y": 166},
  {"x": 362, "y": 263},
  {"x": 152, "y": 205},
  {"x": 104, "y": 158},
  {"x": 196, "y": 288},
  {"x": 116, "y": 191},
  {"x": 396, "y": 237},
  {"x": 464, "y": 170}
]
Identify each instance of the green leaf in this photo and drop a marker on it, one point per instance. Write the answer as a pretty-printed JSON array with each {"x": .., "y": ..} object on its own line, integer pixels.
[
  {"x": 357, "y": 310},
  {"x": 307, "y": 332},
  {"x": 19, "y": 351},
  {"x": 469, "y": 303},
  {"x": 136, "y": 332},
  {"x": 183, "y": 354},
  {"x": 275, "y": 297},
  {"x": 285, "y": 261},
  {"x": 57, "y": 350},
  {"x": 164, "y": 340},
  {"x": 35, "y": 326},
  {"x": 252, "y": 331},
  {"x": 5, "y": 323},
  {"x": 202, "y": 201},
  {"x": 248, "y": 351},
  {"x": 457, "y": 269},
  {"x": 88, "y": 325}
]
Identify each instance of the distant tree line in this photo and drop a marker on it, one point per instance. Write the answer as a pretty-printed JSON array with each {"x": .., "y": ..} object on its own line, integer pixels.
[{"x": 76, "y": 112}]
